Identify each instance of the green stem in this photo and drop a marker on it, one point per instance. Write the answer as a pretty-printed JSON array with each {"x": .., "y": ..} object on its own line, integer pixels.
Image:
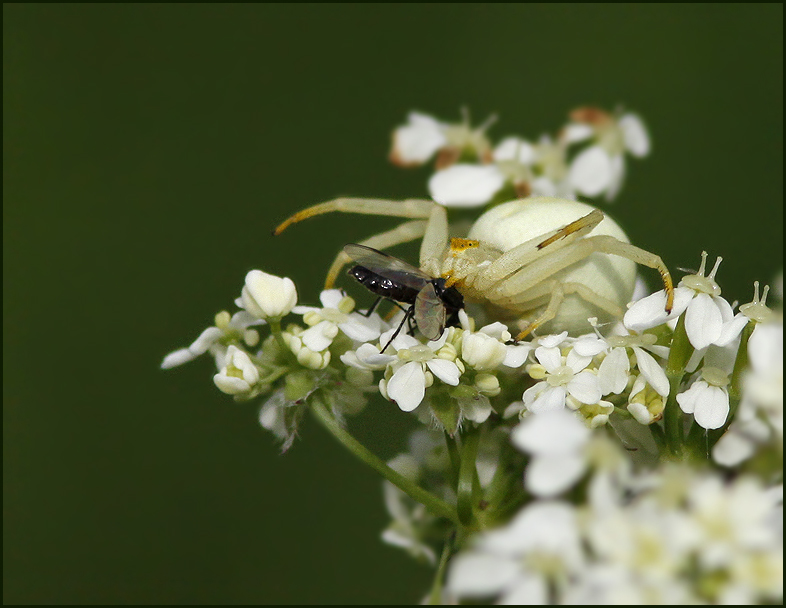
[
  {"x": 679, "y": 354},
  {"x": 658, "y": 436},
  {"x": 468, "y": 485},
  {"x": 434, "y": 504},
  {"x": 275, "y": 328},
  {"x": 455, "y": 458},
  {"x": 735, "y": 382},
  {"x": 435, "y": 597}
]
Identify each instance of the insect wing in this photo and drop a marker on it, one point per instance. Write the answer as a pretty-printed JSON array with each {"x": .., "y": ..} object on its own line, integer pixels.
[
  {"x": 387, "y": 266},
  {"x": 429, "y": 313}
]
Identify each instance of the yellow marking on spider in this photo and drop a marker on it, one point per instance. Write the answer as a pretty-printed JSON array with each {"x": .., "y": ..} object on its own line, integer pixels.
[
  {"x": 459, "y": 245},
  {"x": 450, "y": 280},
  {"x": 591, "y": 218}
]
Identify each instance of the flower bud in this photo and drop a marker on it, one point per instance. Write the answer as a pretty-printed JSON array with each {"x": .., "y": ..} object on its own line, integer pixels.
[
  {"x": 238, "y": 375},
  {"x": 482, "y": 352},
  {"x": 266, "y": 295}
]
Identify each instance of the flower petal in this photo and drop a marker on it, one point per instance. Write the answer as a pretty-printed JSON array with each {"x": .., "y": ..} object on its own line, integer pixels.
[
  {"x": 330, "y": 298},
  {"x": 651, "y": 311},
  {"x": 480, "y": 574},
  {"x": 515, "y": 148},
  {"x": 548, "y": 476},
  {"x": 407, "y": 387},
  {"x": 550, "y": 358},
  {"x": 445, "y": 370},
  {"x": 320, "y": 336},
  {"x": 550, "y": 398},
  {"x": 576, "y": 132},
  {"x": 585, "y": 387},
  {"x": 177, "y": 357},
  {"x": 637, "y": 140},
  {"x": 465, "y": 185},
  {"x": 712, "y": 408},
  {"x": 516, "y": 355},
  {"x": 591, "y": 171},
  {"x": 652, "y": 372},
  {"x": 617, "y": 165},
  {"x": 550, "y": 433},
  {"x": 417, "y": 141},
  {"x": 361, "y": 328},
  {"x": 703, "y": 321},
  {"x": 613, "y": 372}
]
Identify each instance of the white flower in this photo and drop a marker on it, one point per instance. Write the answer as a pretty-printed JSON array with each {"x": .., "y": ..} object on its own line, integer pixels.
[
  {"x": 423, "y": 136},
  {"x": 414, "y": 369},
  {"x": 708, "y": 317},
  {"x": 211, "y": 339},
  {"x": 614, "y": 370},
  {"x": 239, "y": 374},
  {"x": 268, "y": 296},
  {"x": 739, "y": 443},
  {"x": 561, "y": 376},
  {"x": 538, "y": 548},
  {"x": 707, "y": 399},
  {"x": 337, "y": 310},
  {"x": 310, "y": 346},
  {"x": 763, "y": 381},
  {"x": 465, "y": 185},
  {"x": 482, "y": 351},
  {"x": 555, "y": 440},
  {"x": 417, "y": 141},
  {"x": 601, "y": 167},
  {"x": 515, "y": 149},
  {"x": 731, "y": 519}
]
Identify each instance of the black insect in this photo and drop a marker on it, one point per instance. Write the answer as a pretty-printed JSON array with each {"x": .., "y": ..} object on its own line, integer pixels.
[{"x": 432, "y": 305}]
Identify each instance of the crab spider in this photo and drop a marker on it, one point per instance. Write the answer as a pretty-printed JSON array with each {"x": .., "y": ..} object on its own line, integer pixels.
[{"x": 534, "y": 262}]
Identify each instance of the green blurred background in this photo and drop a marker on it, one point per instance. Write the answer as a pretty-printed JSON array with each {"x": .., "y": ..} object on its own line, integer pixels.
[{"x": 149, "y": 150}]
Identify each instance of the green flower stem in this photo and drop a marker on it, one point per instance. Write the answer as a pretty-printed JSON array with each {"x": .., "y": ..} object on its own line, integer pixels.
[
  {"x": 434, "y": 504},
  {"x": 435, "y": 597},
  {"x": 468, "y": 485},
  {"x": 735, "y": 382},
  {"x": 455, "y": 457},
  {"x": 275, "y": 328},
  {"x": 740, "y": 365},
  {"x": 658, "y": 435},
  {"x": 679, "y": 354}
]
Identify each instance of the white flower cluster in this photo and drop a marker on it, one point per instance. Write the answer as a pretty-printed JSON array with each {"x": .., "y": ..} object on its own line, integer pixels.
[
  {"x": 672, "y": 536},
  {"x": 638, "y": 463},
  {"x": 586, "y": 158}
]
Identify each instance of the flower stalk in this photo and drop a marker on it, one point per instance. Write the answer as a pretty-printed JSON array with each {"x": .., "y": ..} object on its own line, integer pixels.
[{"x": 434, "y": 504}]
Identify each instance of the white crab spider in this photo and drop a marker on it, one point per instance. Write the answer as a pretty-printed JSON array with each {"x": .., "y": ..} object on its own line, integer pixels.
[{"x": 536, "y": 262}]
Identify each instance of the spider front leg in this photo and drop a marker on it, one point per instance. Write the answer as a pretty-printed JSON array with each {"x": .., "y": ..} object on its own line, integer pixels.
[
  {"x": 408, "y": 231},
  {"x": 560, "y": 259},
  {"x": 431, "y": 224},
  {"x": 558, "y": 291},
  {"x": 413, "y": 208}
]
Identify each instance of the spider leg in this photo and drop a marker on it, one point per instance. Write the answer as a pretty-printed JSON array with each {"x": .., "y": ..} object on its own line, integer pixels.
[
  {"x": 435, "y": 241},
  {"x": 413, "y": 208},
  {"x": 534, "y": 272},
  {"x": 528, "y": 252},
  {"x": 558, "y": 292},
  {"x": 403, "y": 233}
]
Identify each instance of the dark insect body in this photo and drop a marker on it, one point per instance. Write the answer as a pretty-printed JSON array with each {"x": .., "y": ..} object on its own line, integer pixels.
[{"x": 432, "y": 305}]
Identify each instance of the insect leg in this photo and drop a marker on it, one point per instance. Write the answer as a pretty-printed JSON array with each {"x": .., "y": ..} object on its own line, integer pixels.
[
  {"x": 373, "y": 306},
  {"x": 409, "y": 313}
]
